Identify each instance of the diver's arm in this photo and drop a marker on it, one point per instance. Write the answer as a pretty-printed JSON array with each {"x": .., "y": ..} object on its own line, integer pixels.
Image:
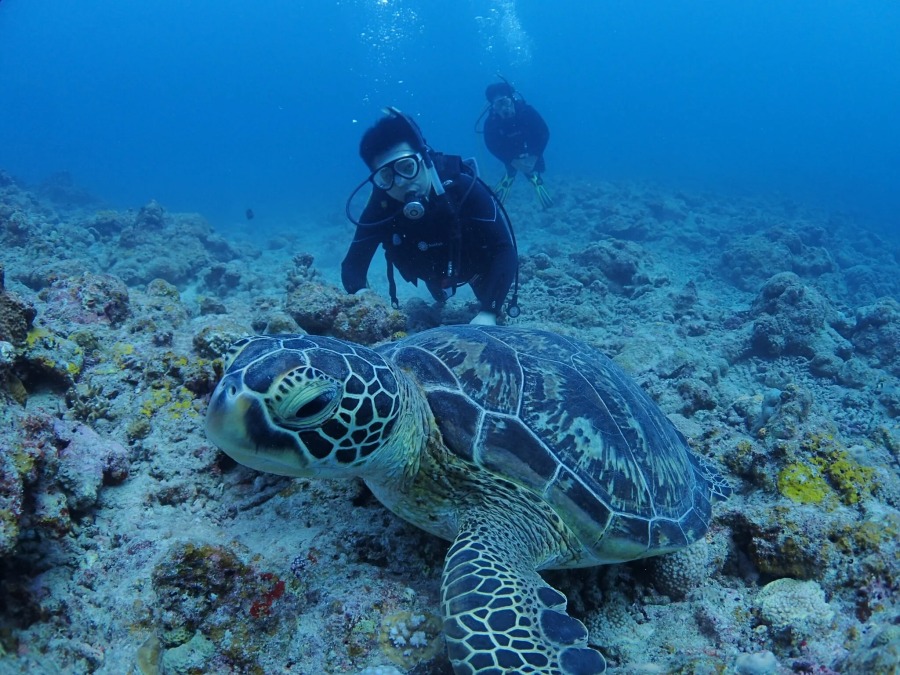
[
  {"x": 487, "y": 228},
  {"x": 499, "y": 146},
  {"x": 356, "y": 263},
  {"x": 494, "y": 287},
  {"x": 536, "y": 131}
]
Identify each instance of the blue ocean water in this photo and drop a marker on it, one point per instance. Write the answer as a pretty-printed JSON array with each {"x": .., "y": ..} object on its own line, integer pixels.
[{"x": 219, "y": 106}]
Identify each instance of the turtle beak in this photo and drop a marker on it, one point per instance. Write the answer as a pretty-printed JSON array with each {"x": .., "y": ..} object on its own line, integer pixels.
[
  {"x": 226, "y": 419},
  {"x": 237, "y": 422}
]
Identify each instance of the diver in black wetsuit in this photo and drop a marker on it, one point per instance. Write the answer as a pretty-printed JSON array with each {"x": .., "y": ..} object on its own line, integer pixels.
[
  {"x": 516, "y": 134},
  {"x": 437, "y": 221}
]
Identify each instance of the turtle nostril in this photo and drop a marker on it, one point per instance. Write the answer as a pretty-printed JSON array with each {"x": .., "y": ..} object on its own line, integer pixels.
[{"x": 232, "y": 390}]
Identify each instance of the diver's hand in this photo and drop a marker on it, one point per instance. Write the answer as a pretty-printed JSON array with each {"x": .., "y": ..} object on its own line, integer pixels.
[
  {"x": 484, "y": 319},
  {"x": 525, "y": 163}
]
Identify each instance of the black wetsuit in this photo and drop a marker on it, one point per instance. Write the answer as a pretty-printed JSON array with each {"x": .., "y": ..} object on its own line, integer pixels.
[
  {"x": 525, "y": 133},
  {"x": 421, "y": 249}
]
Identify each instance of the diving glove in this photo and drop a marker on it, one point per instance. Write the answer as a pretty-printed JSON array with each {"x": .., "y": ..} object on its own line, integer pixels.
[
  {"x": 540, "y": 191},
  {"x": 504, "y": 186}
]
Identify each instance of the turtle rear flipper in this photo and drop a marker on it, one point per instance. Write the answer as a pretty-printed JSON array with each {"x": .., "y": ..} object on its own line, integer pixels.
[{"x": 500, "y": 616}]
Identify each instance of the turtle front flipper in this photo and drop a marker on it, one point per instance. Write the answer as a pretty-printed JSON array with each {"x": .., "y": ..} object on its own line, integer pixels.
[{"x": 500, "y": 616}]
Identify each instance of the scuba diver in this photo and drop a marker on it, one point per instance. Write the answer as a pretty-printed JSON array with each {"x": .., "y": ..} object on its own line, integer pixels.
[
  {"x": 516, "y": 134},
  {"x": 437, "y": 221}
]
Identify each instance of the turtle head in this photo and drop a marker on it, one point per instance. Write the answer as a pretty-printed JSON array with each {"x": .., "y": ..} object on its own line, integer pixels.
[{"x": 299, "y": 405}]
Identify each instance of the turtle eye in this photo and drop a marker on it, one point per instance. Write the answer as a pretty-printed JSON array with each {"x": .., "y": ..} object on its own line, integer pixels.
[
  {"x": 304, "y": 400},
  {"x": 316, "y": 406}
]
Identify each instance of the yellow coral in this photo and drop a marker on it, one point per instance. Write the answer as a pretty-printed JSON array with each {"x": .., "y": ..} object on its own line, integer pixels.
[
  {"x": 36, "y": 335},
  {"x": 155, "y": 400},
  {"x": 73, "y": 369},
  {"x": 828, "y": 469},
  {"x": 803, "y": 483},
  {"x": 179, "y": 403},
  {"x": 852, "y": 480}
]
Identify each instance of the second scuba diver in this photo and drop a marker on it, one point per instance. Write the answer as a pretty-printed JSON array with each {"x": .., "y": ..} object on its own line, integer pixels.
[{"x": 516, "y": 134}]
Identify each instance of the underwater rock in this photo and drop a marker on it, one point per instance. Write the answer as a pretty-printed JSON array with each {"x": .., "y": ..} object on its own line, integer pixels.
[
  {"x": 869, "y": 281},
  {"x": 216, "y": 334},
  {"x": 151, "y": 216},
  {"x": 757, "y": 663},
  {"x": 323, "y": 309},
  {"x": 617, "y": 261},
  {"x": 220, "y": 278},
  {"x": 208, "y": 590},
  {"x": 177, "y": 248},
  {"x": 783, "y": 542},
  {"x": 50, "y": 360},
  {"x": 87, "y": 299},
  {"x": 791, "y": 319},
  {"x": 748, "y": 261},
  {"x": 877, "y": 333},
  {"x": 86, "y": 462},
  {"x": 683, "y": 572},
  {"x": 697, "y": 395},
  {"x": 187, "y": 658},
  {"x": 210, "y": 305},
  {"x": 52, "y": 474},
  {"x": 60, "y": 187},
  {"x": 778, "y": 412},
  {"x": 16, "y": 315},
  {"x": 106, "y": 224},
  {"x": 15, "y": 230},
  {"x": 12, "y": 494},
  {"x": 190, "y": 581},
  {"x": 880, "y": 655},
  {"x": 275, "y": 322}
]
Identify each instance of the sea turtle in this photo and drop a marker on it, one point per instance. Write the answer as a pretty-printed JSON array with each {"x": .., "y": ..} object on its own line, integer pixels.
[{"x": 526, "y": 449}]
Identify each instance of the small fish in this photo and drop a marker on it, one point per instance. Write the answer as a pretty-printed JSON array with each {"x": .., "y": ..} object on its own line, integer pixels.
[{"x": 249, "y": 214}]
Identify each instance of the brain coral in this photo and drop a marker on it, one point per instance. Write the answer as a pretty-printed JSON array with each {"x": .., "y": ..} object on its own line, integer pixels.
[{"x": 795, "y": 607}]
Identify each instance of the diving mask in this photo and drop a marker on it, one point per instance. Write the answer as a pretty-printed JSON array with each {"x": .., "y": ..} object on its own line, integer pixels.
[
  {"x": 504, "y": 106},
  {"x": 406, "y": 167}
]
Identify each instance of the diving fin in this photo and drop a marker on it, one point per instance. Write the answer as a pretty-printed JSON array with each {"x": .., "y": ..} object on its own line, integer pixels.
[
  {"x": 504, "y": 186},
  {"x": 540, "y": 191}
]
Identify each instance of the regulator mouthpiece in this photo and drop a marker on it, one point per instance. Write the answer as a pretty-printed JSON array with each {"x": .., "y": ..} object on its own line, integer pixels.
[{"x": 413, "y": 208}]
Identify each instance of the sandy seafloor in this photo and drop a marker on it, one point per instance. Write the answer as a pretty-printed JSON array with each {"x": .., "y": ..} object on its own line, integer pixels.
[{"x": 768, "y": 331}]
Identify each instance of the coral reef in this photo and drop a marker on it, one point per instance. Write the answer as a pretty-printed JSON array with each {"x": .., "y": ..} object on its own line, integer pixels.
[{"x": 129, "y": 544}]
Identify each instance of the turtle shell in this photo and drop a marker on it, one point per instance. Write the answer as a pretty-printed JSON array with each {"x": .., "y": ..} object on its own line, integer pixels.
[{"x": 557, "y": 417}]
